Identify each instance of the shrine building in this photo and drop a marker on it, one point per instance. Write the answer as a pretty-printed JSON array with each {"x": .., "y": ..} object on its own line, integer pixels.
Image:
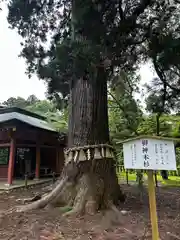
[{"x": 28, "y": 145}]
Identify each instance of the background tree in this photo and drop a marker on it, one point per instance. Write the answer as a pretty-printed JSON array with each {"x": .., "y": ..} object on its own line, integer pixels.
[
  {"x": 162, "y": 49},
  {"x": 124, "y": 111},
  {"x": 15, "y": 102},
  {"x": 32, "y": 99},
  {"x": 157, "y": 103}
]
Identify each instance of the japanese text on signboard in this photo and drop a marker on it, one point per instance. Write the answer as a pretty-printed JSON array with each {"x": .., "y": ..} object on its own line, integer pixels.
[
  {"x": 133, "y": 154},
  {"x": 161, "y": 153},
  {"x": 145, "y": 153}
]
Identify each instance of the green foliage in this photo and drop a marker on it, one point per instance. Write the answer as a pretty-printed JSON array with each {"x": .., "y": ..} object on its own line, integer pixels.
[
  {"x": 4, "y": 155},
  {"x": 16, "y": 102},
  {"x": 163, "y": 49},
  {"x": 32, "y": 99},
  {"x": 148, "y": 126},
  {"x": 124, "y": 112},
  {"x": 65, "y": 40},
  {"x": 159, "y": 99},
  {"x": 178, "y": 157},
  {"x": 155, "y": 103},
  {"x": 40, "y": 107},
  {"x": 59, "y": 119}
]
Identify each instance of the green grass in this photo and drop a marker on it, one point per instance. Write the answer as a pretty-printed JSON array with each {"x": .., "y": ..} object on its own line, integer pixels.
[
  {"x": 172, "y": 180},
  {"x": 131, "y": 176}
]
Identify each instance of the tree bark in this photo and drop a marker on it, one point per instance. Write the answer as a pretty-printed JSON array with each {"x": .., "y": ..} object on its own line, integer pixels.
[
  {"x": 88, "y": 182},
  {"x": 88, "y": 118}
]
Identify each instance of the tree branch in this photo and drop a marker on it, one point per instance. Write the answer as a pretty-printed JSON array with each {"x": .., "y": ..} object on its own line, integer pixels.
[
  {"x": 162, "y": 77},
  {"x": 121, "y": 13},
  {"x": 139, "y": 10},
  {"x": 142, "y": 6},
  {"x": 175, "y": 72},
  {"x": 124, "y": 112}
]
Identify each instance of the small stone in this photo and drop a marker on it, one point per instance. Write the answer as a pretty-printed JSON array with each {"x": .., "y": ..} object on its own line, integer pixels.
[{"x": 124, "y": 212}]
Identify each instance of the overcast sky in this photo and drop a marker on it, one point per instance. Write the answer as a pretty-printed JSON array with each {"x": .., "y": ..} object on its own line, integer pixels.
[{"x": 13, "y": 80}]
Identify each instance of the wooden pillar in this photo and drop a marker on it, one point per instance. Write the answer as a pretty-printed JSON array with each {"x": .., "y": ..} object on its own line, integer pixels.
[
  {"x": 57, "y": 161},
  {"x": 61, "y": 159},
  {"x": 38, "y": 160},
  {"x": 11, "y": 160}
]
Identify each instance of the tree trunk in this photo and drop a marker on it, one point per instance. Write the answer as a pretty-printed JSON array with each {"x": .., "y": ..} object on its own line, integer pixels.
[
  {"x": 88, "y": 119},
  {"x": 88, "y": 127},
  {"x": 89, "y": 176}
]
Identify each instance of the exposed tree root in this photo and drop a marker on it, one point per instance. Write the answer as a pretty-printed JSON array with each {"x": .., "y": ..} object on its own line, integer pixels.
[
  {"x": 41, "y": 203},
  {"x": 85, "y": 187},
  {"x": 29, "y": 200}
]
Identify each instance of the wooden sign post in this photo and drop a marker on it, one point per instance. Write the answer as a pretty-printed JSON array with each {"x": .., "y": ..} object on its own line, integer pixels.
[
  {"x": 150, "y": 153},
  {"x": 152, "y": 205}
]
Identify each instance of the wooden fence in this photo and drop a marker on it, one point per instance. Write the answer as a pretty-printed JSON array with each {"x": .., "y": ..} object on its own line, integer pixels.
[{"x": 123, "y": 174}]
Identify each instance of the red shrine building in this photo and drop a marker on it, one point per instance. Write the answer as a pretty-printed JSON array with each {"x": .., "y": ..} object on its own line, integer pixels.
[{"x": 28, "y": 145}]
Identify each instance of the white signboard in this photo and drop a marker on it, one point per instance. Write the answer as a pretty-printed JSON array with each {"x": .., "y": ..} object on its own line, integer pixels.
[{"x": 149, "y": 153}]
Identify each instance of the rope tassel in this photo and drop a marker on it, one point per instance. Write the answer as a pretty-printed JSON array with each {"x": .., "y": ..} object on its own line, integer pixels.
[
  {"x": 97, "y": 154},
  {"x": 82, "y": 156},
  {"x": 108, "y": 153}
]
